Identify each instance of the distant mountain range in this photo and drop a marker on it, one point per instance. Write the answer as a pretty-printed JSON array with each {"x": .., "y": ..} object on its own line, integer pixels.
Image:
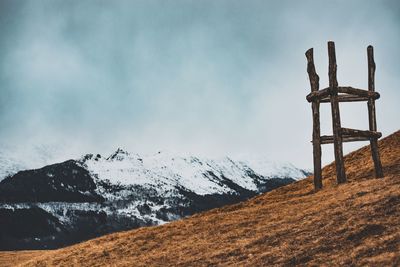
[
  {"x": 354, "y": 224},
  {"x": 75, "y": 200}
]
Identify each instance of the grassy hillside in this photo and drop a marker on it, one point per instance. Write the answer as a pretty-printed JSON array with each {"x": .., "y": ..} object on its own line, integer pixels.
[{"x": 357, "y": 223}]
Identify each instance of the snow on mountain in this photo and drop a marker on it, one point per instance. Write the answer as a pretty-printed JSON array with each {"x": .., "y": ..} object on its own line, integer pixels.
[
  {"x": 275, "y": 169},
  {"x": 167, "y": 170}
]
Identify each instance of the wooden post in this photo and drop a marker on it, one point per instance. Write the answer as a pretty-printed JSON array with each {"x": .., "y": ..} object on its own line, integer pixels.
[
  {"x": 372, "y": 113},
  {"x": 314, "y": 82},
  {"x": 337, "y": 136}
]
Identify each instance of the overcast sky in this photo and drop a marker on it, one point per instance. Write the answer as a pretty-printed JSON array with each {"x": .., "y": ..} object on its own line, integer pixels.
[{"x": 203, "y": 77}]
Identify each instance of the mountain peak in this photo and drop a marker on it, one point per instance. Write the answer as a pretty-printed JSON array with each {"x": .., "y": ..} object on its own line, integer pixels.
[{"x": 119, "y": 154}]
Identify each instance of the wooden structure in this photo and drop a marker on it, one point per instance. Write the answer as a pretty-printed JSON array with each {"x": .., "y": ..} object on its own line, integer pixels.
[{"x": 333, "y": 95}]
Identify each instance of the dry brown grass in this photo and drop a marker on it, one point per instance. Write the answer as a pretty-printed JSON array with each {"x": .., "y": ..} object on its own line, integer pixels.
[{"x": 357, "y": 223}]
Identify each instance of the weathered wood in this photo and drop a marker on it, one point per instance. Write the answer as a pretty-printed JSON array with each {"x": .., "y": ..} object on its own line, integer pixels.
[
  {"x": 356, "y": 133},
  {"x": 337, "y": 138},
  {"x": 348, "y": 94},
  {"x": 328, "y": 139},
  {"x": 372, "y": 113},
  {"x": 316, "y": 95},
  {"x": 314, "y": 83},
  {"x": 345, "y": 98},
  {"x": 358, "y": 92},
  {"x": 335, "y": 94}
]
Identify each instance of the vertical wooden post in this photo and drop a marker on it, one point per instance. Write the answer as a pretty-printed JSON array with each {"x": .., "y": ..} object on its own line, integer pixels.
[
  {"x": 372, "y": 113},
  {"x": 337, "y": 135},
  {"x": 314, "y": 82}
]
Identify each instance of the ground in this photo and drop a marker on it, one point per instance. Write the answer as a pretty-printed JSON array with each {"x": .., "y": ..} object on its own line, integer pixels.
[{"x": 357, "y": 223}]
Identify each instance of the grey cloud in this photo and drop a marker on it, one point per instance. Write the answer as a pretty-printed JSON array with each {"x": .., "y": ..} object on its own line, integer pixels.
[{"x": 208, "y": 77}]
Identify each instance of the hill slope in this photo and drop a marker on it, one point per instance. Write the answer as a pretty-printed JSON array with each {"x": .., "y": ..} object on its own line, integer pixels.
[{"x": 355, "y": 223}]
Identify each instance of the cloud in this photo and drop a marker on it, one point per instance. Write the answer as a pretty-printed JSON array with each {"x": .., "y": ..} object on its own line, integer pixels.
[{"x": 208, "y": 77}]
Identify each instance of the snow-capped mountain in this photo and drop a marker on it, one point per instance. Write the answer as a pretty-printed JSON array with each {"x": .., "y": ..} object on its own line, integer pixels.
[
  {"x": 166, "y": 171},
  {"x": 74, "y": 200}
]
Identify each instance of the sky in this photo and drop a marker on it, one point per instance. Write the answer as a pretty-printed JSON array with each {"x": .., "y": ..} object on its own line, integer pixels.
[{"x": 208, "y": 77}]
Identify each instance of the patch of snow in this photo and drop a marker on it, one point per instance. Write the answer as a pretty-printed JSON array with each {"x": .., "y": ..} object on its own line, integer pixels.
[
  {"x": 166, "y": 171},
  {"x": 275, "y": 169}
]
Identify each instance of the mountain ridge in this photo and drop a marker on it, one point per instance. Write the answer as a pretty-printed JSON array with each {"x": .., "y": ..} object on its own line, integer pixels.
[
  {"x": 354, "y": 224},
  {"x": 95, "y": 195}
]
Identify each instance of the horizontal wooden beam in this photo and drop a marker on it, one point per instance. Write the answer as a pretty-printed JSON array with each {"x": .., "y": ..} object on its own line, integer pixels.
[
  {"x": 348, "y": 94},
  {"x": 358, "y": 92},
  {"x": 351, "y": 135},
  {"x": 360, "y": 133},
  {"x": 345, "y": 98},
  {"x": 328, "y": 139}
]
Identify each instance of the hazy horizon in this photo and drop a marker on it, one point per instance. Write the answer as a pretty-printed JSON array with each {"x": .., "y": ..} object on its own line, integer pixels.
[{"x": 214, "y": 78}]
